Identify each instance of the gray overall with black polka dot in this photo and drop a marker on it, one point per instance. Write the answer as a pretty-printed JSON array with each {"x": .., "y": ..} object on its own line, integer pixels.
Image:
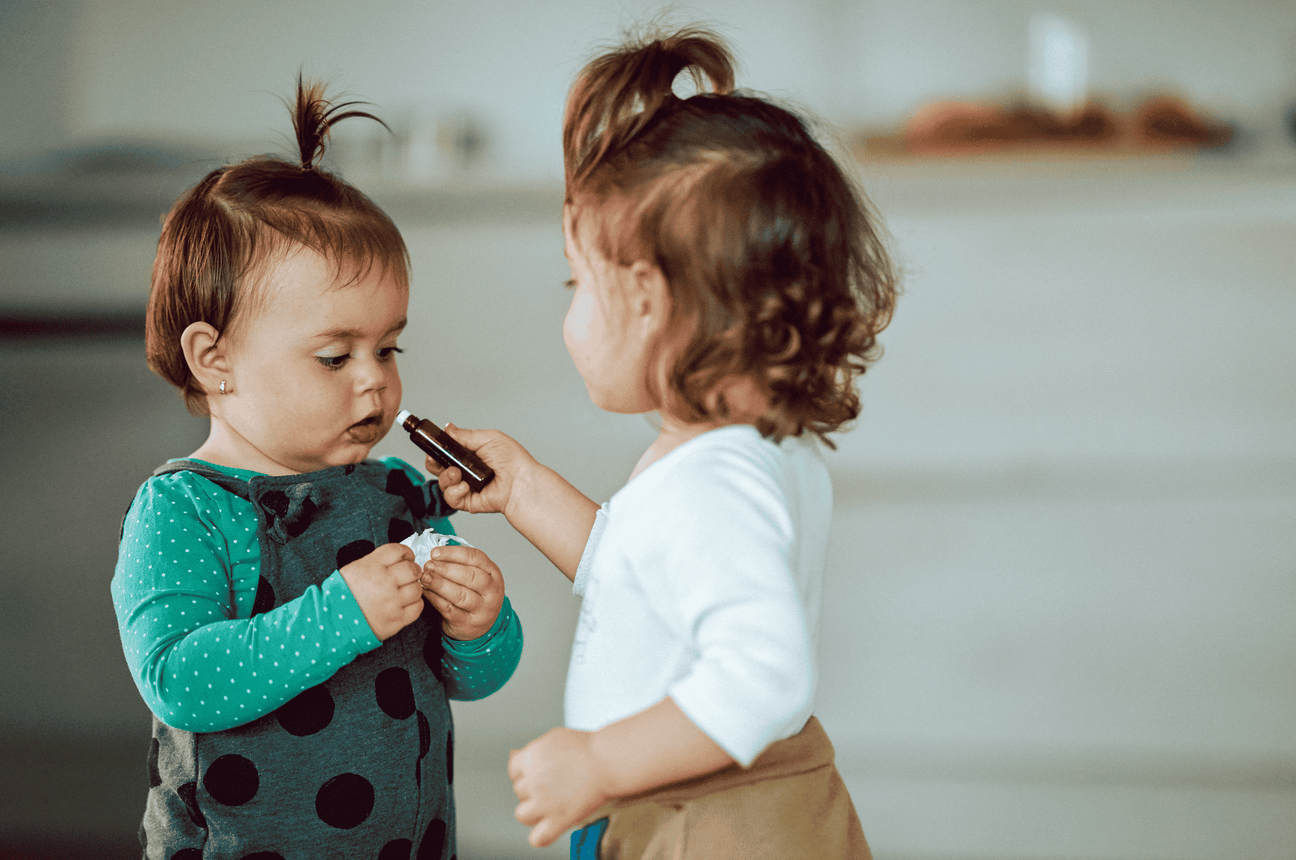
[{"x": 359, "y": 766}]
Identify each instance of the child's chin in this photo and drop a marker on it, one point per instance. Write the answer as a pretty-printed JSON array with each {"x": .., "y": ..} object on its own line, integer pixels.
[
  {"x": 357, "y": 454},
  {"x": 348, "y": 456}
]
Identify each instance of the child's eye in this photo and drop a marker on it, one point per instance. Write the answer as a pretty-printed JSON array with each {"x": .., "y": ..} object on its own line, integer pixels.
[
  {"x": 389, "y": 351},
  {"x": 571, "y": 284},
  {"x": 332, "y": 362}
]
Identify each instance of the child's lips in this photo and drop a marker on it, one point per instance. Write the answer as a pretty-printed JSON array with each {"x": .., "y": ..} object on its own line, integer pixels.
[{"x": 366, "y": 432}]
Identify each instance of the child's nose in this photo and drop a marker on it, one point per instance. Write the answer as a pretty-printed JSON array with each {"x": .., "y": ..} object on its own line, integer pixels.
[{"x": 371, "y": 376}]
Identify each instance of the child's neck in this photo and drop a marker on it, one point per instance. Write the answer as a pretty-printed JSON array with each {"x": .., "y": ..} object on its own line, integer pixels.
[
  {"x": 745, "y": 404},
  {"x": 668, "y": 440},
  {"x": 673, "y": 434},
  {"x": 226, "y": 447}
]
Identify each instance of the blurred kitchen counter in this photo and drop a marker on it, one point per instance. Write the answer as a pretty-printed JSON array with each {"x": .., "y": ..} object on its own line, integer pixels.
[{"x": 81, "y": 246}]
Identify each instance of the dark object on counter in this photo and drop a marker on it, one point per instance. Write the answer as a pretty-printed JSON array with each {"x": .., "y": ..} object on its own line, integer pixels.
[
  {"x": 952, "y": 126},
  {"x": 1169, "y": 121},
  {"x": 1159, "y": 123}
]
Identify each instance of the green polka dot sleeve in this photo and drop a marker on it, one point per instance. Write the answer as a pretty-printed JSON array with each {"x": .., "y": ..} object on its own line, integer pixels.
[
  {"x": 478, "y": 667},
  {"x": 183, "y": 589}
]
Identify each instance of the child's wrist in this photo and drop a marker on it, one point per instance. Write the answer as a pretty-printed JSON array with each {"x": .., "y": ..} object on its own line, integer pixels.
[
  {"x": 466, "y": 633},
  {"x": 479, "y": 642},
  {"x": 608, "y": 768},
  {"x": 524, "y": 480}
]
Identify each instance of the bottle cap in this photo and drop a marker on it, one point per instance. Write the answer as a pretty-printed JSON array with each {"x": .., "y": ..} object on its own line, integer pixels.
[{"x": 401, "y": 416}]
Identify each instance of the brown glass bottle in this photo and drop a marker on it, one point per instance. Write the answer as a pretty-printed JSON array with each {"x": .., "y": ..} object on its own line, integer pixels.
[{"x": 440, "y": 447}]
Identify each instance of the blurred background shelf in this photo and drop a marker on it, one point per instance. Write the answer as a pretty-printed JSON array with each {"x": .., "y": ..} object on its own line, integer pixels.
[{"x": 1062, "y": 586}]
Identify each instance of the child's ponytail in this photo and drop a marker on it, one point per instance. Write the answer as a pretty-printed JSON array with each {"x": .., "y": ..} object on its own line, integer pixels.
[
  {"x": 618, "y": 94},
  {"x": 776, "y": 267},
  {"x": 313, "y": 116},
  {"x": 239, "y": 216}
]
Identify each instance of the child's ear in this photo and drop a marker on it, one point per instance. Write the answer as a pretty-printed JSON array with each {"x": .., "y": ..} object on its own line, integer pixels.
[
  {"x": 649, "y": 297},
  {"x": 204, "y": 352}
]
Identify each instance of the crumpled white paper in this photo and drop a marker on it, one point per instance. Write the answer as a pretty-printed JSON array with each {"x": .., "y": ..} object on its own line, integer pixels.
[{"x": 425, "y": 541}]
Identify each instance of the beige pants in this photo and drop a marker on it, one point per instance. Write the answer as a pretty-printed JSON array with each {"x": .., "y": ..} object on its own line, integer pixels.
[{"x": 791, "y": 803}]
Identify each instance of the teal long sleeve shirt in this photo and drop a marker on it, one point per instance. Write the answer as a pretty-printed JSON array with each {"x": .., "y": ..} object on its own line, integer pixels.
[{"x": 183, "y": 591}]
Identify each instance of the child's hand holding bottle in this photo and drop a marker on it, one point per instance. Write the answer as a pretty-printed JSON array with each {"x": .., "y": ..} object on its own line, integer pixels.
[
  {"x": 499, "y": 451},
  {"x": 536, "y": 500},
  {"x": 385, "y": 583},
  {"x": 466, "y": 588}
]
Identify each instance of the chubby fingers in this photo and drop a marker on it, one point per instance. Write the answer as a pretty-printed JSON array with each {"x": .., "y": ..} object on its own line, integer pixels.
[
  {"x": 517, "y": 763},
  {"x": 527, "y": 811},
  {"x": 405, "y": 574},
  {"x": 392, "y": 554},
  {"x": 465, "y": 565},
  {"x": 435, "y": 468},
  {"x": 464, "y": 577},
  {"x": 545, "y": 823},
  {"x": 449, "y": 479},
  {"x": 407, "y": 578}
]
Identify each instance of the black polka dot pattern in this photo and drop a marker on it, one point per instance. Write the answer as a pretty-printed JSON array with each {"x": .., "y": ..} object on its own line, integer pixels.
[
  {"x": 433, "y": 647},
  {"x": 425, "y": 744},
  {"x": 346, "y": 741},
  {"x": 353, "y": 551},
  {"x": 425, "y": 734},
  {"x": 397, "y": 849},
  {"x": 265, "y": 597},
  {"x": 306, "y": 713},
  {"x": 155, "y": 778},
  {"x": 395, "y": 693},
  {"x": 399, "y": 484},
  {"x": 232, "y": 780},
  {"x": 189, "y": 794},
  {"x": 345, "y": 801},
  {"x": 450, "y": 757},
  {"x": 434, "y": 840},
  {"x": 398, "y": 530}
]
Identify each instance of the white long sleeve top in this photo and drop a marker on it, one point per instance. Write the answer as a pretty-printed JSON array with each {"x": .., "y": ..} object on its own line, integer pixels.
[{"x": 701, "y": 581}]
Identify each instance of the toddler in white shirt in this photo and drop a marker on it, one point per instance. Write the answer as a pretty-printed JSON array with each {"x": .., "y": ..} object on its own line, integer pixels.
[{"x": 728, "y": 276}]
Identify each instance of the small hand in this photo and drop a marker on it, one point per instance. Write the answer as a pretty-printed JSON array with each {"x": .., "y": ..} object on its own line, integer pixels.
[
  {"x": 504, "y": 455},
  {"x": 559, "y": 782},
  {"x": 385, "y": 583},
  {"x": 466, "y": 588}
]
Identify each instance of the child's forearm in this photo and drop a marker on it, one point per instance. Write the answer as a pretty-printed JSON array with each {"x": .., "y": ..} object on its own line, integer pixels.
[
  {"x": 655, "y": 747},
  {"x": 553, "y": 515},
  {"x": 226, "y": 673}
]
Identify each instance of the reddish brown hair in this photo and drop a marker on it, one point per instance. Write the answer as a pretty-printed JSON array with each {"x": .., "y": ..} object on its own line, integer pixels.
[
  {"x": 217, "y": 234},
  {"x": 776, "y": 265}
]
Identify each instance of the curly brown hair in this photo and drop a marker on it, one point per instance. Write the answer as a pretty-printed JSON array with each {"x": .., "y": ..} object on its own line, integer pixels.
[
  {"x": 775, "y": 263},
  {"x": 219, "y": 233}
]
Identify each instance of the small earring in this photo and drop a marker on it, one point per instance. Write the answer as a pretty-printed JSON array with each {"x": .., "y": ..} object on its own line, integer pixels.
[{"x": 222, "y": 388}]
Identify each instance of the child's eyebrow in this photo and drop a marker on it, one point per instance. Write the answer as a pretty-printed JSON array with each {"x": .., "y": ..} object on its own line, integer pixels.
[{"x": 355, "y": 333}]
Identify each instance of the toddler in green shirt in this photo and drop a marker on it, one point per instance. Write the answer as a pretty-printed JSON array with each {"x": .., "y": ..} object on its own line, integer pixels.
[{"x": 298, "y": 662}]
